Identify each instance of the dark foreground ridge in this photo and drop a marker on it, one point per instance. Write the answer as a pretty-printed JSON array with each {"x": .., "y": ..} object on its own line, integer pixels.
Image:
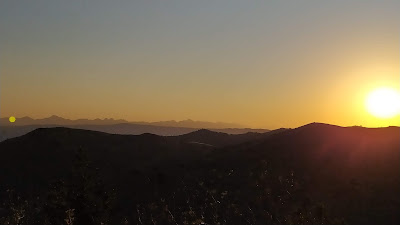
[{"x": 313, "y": 174}]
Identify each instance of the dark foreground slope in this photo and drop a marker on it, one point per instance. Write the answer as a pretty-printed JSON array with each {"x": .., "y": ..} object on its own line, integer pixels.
[
  {"x": 355, "y": 170},
  {"x": 312, "y": 174}
]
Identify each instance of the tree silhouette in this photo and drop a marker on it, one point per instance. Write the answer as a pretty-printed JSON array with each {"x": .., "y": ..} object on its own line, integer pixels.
[{"x": 81, "y": 199}]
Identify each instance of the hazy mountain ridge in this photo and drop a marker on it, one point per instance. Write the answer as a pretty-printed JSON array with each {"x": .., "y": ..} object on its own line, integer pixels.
[{"x": 56, "y": 120}]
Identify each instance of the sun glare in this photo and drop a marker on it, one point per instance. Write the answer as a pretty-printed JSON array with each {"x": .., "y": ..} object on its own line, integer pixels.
[{"x": 383, "y": 103}]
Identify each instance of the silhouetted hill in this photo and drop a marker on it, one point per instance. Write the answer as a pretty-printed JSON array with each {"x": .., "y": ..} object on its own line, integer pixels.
[
  {"x": 7, "y": 132},
  {"x": 355, "y": 171},
  {"x": 352, "y": 168},
  {"x": 220, "y": 139},
  {"x": 51, "y": 149}
]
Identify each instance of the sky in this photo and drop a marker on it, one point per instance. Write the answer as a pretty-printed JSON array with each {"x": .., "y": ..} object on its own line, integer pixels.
[{"x": 263, "y": 64}]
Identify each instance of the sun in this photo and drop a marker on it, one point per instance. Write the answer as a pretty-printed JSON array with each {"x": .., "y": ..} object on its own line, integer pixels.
[{"x": 383, "y": 102}]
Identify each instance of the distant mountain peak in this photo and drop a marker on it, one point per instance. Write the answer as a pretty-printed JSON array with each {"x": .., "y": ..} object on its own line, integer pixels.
[
  {"x": 317, "y": 124},
  {"x": 204, "y": 132},
  {"x": 187, "y": 120},
  {"x": 55, "y": 117}
]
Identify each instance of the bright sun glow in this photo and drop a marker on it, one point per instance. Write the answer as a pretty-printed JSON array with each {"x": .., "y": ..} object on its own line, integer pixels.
[{"x": 384, "y": 103}]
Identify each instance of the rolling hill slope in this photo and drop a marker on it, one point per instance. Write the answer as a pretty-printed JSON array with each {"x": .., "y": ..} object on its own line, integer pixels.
[{"x": 353, "y": 170}]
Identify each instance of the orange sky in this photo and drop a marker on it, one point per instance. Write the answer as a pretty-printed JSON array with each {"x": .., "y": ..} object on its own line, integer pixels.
[{"x": 264, "y": 65}]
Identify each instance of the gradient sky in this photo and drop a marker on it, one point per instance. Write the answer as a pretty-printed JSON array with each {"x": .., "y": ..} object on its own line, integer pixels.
[{"x": 264, "y": 64}]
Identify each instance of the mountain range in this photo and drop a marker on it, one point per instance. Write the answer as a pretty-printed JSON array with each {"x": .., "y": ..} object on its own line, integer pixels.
[
  {"x": 56, "y": 120},
  {"x": 164, "y": 128}
]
